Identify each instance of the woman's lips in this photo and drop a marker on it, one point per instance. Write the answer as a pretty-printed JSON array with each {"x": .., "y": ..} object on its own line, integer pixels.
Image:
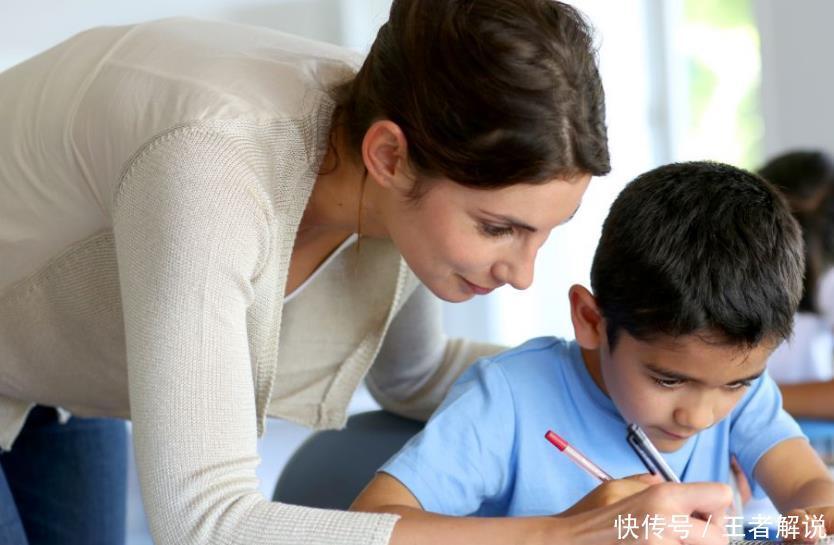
[{"x": 476, "y": 289}]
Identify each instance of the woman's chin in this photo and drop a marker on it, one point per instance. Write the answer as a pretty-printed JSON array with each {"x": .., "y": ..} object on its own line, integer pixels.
[{"x": 451, "y": 294}]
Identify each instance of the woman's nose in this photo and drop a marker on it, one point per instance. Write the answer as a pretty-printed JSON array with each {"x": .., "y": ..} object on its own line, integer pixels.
[{"x": 517, "y": 270}]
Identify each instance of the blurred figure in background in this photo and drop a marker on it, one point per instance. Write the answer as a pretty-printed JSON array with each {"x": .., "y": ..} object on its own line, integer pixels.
[{"x": 803, "y": 365}]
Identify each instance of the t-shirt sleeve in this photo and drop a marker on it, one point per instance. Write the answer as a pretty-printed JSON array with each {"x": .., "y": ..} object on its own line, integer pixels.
[
  {"x": 758, "y": 423},
  {"x": 463, "y": 457},
  {"x": 192, "y": 233}
]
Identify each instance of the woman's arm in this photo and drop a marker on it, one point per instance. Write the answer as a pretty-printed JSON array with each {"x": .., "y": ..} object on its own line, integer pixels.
[
  {"x": 584, "y": 526},
  {"x": 385, "y": 494},
  {"x": 809, "y": 399},
  {"x": 191, "y": 235},
  {"x": 418, "y": 362}
]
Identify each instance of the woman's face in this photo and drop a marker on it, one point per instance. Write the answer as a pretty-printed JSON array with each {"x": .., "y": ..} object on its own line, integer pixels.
[{"x": 462, "y": 242}]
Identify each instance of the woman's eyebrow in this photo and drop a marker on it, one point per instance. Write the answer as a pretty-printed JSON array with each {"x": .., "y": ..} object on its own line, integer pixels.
[
  {"x": 520, "y": 224},
  {"x": 511, "y": 220}
]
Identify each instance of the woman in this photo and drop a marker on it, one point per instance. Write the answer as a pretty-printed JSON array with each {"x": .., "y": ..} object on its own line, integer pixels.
[
  {"x": 170, "y": 189},
  {"x": 803, "y": 367}
]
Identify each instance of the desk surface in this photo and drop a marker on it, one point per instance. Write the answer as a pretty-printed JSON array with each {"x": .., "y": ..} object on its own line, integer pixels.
[{"x": 824, "y": 541}]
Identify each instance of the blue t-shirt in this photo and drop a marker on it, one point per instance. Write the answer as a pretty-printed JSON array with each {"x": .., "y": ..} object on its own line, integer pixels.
[{"x": 483, "y": 452}]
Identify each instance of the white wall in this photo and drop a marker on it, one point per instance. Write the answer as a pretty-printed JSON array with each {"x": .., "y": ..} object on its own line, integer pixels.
[{"x": 797, "y": 41}]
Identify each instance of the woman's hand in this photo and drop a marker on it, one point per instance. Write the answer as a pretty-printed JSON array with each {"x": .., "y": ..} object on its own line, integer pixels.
[
  {"x": 611, "y": 492},
  {"x": 661, "y": 501}
]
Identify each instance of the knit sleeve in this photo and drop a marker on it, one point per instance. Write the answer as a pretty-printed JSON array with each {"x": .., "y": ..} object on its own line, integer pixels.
[
  {"x": 418, "y": 362},
  {"x": 191, "y": 233}
]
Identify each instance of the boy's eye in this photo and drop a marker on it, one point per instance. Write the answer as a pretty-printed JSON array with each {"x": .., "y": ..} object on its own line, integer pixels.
[
  {"x": 495, "y": 230},
  {"x": 739, "y": 385},
  {"x": 667, "y": 382}
]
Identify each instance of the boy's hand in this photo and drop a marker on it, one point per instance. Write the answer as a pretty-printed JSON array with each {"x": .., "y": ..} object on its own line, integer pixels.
[
  {"x": 662, "y": 500},
  {"x": 813, "y": 523},
  {"x": 613, "y": 491}
]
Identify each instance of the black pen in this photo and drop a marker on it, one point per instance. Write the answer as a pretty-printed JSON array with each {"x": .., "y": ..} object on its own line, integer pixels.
[{"x": 648, "y": 454}]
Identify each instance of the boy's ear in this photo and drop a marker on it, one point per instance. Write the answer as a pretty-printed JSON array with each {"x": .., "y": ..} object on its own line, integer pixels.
[
  {"x": 385, "y": 154},
  {"x": 588, "y": 323}
]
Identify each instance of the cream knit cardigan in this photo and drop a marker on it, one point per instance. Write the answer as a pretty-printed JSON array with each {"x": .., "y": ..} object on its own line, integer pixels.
[{"x": 152, "y": 179}]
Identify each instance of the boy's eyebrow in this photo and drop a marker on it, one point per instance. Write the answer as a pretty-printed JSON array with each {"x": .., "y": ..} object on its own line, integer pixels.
[{"x": 680, "y": 376}]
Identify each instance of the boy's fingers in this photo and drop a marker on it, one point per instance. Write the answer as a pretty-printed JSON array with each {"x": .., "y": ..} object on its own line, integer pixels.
[
  {"x": 806, "y": 533},
  {"x": 645, "y": 478},
  {"x": 705, "y": 503},
  {"x": 707, "y": 498}
]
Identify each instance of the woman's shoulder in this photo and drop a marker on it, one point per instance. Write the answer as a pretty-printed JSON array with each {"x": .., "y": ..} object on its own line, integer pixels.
[
  {"x": 222, "y": 35},
  {"x": 172, "y": 77},
  {"x": 257, "y": 168},
  {"x": 225, "y": 69}
]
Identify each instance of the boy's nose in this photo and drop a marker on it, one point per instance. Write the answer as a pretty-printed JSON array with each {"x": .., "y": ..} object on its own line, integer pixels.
[{"x": 696, "y": 418}]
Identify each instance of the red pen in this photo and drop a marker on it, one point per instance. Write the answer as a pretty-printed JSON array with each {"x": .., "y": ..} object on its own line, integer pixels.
[{"x": 577, "y": 457}]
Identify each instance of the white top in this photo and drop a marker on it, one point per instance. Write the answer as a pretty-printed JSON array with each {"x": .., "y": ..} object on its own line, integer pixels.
[
  {"x": 825, "y": 296},
  {"x": 310, "y": 279},
  {"x": 808, "y": 355},
  {"x": 152, "y": 179}
]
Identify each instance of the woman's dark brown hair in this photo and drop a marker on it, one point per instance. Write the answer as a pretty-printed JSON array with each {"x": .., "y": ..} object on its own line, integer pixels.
[
  {"x": 488, "y": 93},
  {"x": 806, "y": 179}
]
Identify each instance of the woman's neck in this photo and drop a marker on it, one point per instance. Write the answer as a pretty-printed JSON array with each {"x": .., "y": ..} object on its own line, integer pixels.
[{"x": 341, "y": 186}]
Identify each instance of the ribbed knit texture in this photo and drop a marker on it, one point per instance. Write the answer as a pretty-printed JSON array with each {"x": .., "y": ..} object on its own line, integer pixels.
[
  {"x": 198, "y": 238},
  {"x": 149, "y": 204}
]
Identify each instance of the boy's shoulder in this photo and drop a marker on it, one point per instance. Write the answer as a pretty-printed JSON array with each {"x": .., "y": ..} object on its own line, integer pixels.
[
  {"x": 548, "y": 348},
  {"x": 527, "y": 375},
  {"x": 535, "y": 358}
]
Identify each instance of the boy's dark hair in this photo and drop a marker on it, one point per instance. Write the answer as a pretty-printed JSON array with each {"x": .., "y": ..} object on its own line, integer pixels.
[
  {"x": 488, "y": 93},
  {"x": 699, "y": 248},
  {"x": 806, "y": 179}
]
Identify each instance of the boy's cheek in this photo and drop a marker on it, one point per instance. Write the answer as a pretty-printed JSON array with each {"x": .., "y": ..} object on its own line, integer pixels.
[
  {"x": 644, "y": 400},
  {"x": 643, "y": 408}
]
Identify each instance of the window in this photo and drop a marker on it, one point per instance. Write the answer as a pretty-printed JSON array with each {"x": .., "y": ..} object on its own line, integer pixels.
[{"x": 715, "y": 53}]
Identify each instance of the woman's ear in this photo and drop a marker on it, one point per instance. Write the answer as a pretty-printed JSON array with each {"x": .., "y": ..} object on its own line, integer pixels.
[
  {"x": 385, "y": 154},
  {"x": 588, "y": 323}
]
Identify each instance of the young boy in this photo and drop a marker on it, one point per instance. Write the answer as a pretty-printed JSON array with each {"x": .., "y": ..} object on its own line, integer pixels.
[{"x": 696, "y": 279}]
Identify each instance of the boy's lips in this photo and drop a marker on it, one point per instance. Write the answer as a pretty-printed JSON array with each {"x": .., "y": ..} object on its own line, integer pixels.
[{"x": 675, "y": 435}]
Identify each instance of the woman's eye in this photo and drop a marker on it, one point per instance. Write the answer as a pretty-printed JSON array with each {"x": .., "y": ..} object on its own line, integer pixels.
[
  {"x": 667, "y": 382},
  {"x": 495, "y": 230}
]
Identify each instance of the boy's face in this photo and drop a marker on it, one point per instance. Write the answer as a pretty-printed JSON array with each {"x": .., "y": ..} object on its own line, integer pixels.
[{"x": 674, "y": 388}]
